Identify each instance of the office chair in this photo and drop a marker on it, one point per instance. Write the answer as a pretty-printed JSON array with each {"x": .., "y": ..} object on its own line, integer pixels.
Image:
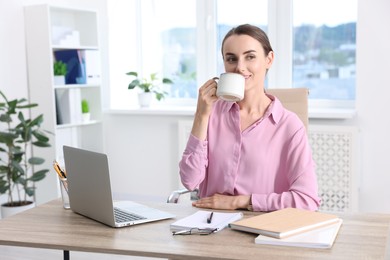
[{"x": 293, "y": 99}]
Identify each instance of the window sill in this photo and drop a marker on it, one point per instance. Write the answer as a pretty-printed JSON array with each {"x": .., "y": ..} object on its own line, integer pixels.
[
  {"x": 314, "y": 113},
  {"x": 331, "y": 113}
]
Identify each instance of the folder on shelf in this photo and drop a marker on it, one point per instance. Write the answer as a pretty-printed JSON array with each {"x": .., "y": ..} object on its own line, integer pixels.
[
  {"x": 68, "y": 106},
  {"x": 92, "y": 66},
  {"x": 75, "y": 65},
  {"x": 285, "y": 222}
]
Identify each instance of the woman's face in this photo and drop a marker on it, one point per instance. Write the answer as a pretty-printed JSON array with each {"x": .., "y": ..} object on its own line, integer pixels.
[{"x": 244, "y": 55}]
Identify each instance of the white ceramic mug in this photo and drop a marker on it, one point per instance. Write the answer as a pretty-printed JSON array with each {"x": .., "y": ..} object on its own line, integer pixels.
[{"x": 231, "y": 86}]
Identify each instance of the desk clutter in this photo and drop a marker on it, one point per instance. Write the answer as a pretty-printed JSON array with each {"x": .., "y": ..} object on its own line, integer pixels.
[{"x": 285, "y": 227}]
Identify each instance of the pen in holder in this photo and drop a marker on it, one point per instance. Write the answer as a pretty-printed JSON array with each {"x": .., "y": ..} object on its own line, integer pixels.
[
  {"x": 64, "y": 193},
  {"x": 63, "y": 184}
]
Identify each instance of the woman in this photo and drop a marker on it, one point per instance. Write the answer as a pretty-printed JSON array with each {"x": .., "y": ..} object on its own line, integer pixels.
[{"x": 252, "y": 154}]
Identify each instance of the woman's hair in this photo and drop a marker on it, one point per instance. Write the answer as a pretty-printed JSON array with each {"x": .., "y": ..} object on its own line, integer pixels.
[{"x": 252, "y": 31}]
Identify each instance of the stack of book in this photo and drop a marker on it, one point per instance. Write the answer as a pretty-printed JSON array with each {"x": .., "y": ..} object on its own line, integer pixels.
[{"x": 292, "y": 227}]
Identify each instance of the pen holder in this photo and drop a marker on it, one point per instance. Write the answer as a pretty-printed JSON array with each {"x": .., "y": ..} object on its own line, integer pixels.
[{"x": 64, "y": 193}]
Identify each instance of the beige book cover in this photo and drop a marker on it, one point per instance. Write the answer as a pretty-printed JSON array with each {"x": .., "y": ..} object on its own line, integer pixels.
[{"x": 285, "y": 222}]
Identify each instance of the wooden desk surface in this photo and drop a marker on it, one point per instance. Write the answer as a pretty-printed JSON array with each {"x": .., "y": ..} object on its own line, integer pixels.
[{"x": 362, "y": 236}]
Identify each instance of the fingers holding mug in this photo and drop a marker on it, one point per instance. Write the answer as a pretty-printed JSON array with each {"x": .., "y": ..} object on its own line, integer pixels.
[{"x": 208, "y": 90}]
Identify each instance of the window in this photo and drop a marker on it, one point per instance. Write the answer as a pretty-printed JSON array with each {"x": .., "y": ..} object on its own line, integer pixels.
[
  {"x": 318, "y": 51},
  {"x": 325, "y": 48}
]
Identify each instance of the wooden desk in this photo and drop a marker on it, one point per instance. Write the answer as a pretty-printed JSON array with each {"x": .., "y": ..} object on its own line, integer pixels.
[{"x": 362, "y": 236}]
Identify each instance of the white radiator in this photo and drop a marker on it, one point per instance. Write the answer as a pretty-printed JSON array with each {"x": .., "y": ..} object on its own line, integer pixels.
[{"x": 335, "y": 154}]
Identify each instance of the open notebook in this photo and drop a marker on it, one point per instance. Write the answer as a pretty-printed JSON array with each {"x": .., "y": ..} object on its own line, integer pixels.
[{"x": 220, "y": 220}]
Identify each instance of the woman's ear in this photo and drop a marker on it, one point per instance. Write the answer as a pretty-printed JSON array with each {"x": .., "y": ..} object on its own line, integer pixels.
[{"x": 270, "y": 59}]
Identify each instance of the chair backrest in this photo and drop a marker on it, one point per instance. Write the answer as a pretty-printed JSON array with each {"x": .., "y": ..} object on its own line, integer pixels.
[{"x": 295, "y": 100}]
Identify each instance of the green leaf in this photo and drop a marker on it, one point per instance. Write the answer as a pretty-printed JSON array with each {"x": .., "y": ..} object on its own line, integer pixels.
[
  {"x": 41, "y": 144},
  {"x": 5, "y": 118},
  {"x": 7, "y": 138},
  {"x": 159, "y": 96},
  {"x": 36, "y": 160},
  {"x": 40, "y": 136},
  {"x": 37, "y": 121},
  {"x": 167, "y": 81},
  {"x": 17, "y": 167},
  {"x": 132, "y": 73},
  {"x": 134, "y": 83},
  {"x": 39, "y": 175},
  {"x": 27, "y": 106},
  {"x": 153, "y": 76},
  {"x": 30, "y": 191},
  {"x": 4, "y": 188}
]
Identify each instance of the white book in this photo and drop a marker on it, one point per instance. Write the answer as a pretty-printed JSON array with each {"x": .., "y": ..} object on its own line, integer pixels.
[
  {"x": 323, "y": 237},
  {"x": 75, "y": 103},
  {"x": 92, "y": 66},
  {"x": 219, "y": 220},
  {"x": 63, "y": 106}
]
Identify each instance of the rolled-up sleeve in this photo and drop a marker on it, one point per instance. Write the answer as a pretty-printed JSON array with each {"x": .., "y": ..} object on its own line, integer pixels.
[{"x": 193, "y": 163}]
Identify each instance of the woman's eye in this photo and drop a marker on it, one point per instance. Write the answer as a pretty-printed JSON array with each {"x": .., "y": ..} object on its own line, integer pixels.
[
  {"x": 251, "y": 57},
  {"x": 230, "y": 59}
]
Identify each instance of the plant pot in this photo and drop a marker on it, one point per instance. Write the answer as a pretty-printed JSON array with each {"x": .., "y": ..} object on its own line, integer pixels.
[
  {"x": 59, "y": 80},
  {"x": 86, "y": 117},
  {"x": 145, "y": 98},
  {"x": 7, "y": 211}
]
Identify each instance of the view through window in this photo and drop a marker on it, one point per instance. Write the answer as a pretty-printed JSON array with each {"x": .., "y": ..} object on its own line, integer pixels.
[{"x": 325, "y": 48}]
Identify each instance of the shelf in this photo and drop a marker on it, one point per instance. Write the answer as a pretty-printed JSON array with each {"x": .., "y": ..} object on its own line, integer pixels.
[
  {"x": 73, "y": 47},
  {"x": 50, "y": 29},
  {"x": 91, "y": 122},
  {"x": 81, "y": 86}
]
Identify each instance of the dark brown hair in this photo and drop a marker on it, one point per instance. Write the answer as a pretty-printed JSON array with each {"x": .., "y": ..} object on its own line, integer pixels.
[{"x": 252, "y": 31}]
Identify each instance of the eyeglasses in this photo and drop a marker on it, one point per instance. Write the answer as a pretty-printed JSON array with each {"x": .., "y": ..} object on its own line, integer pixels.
[{"x": 197, "y": 231}]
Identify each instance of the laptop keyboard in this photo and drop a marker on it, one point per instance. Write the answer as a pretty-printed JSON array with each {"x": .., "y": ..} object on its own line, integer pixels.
[{"x": 122, "y": 216}]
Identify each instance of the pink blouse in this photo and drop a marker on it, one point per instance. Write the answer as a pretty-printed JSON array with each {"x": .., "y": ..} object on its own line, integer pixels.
[{"x": 271, "y": 160}]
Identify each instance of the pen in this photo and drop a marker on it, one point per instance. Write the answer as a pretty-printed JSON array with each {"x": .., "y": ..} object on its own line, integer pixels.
[
  {"x": 61, "y": 173},
  {"x": 210, "y": 218}
]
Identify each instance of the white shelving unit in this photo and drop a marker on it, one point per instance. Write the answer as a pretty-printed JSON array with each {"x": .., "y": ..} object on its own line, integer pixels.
[{"x": 50, "y": 29}]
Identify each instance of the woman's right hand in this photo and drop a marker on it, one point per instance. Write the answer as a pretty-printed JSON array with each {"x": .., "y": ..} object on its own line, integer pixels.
[{"x": 206, "y": 99}]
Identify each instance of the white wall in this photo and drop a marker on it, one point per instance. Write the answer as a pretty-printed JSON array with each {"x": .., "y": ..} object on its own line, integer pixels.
[
  {"x": 373, "y": 95},
  {"x": 143, "y": 149}
]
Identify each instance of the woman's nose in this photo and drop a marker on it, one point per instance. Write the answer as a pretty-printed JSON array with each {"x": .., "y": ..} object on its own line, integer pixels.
[{"x": 241, "y": 66}]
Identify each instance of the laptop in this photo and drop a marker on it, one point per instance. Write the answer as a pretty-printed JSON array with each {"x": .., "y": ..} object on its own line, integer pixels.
[{"x": 90, "y": 192}]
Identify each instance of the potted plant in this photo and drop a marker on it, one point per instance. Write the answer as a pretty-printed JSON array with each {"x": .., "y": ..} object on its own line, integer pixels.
[
  {"x": 60, "y": 70},
  {"x": 148, "y": 86},
  {"x": 85, "y": 110},
  {"x": 17, "y": 163}
]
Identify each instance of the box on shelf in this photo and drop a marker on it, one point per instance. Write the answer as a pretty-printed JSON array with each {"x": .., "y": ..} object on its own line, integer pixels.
[{"x": 65, "y": 36}]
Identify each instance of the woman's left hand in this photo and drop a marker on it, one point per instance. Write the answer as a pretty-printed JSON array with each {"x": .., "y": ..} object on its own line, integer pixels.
[{"x": 218, "y": 201}]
